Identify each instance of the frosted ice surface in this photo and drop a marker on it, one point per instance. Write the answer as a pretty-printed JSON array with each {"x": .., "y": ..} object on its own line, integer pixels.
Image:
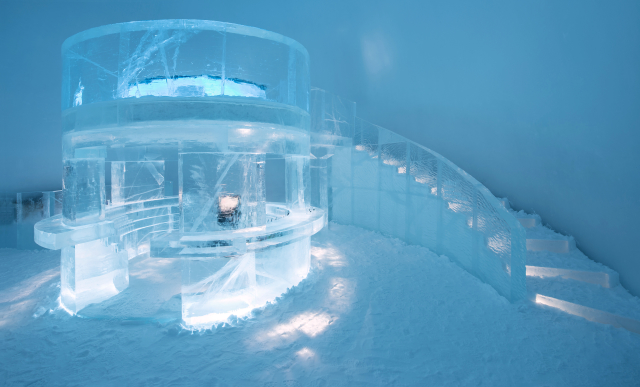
[
  {"x": 91, "y": 152},
  {"x": 215, "y": 288},
  {"x": 136, "y": 180},
  {"x": 83, "y": 191}
]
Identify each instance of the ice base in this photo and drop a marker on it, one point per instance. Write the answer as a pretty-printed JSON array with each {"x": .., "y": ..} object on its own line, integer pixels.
[{"x": 92, "y": 272}]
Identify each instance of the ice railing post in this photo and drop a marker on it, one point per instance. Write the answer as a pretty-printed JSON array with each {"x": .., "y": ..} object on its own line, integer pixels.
[{"x": 387, "y": 183}]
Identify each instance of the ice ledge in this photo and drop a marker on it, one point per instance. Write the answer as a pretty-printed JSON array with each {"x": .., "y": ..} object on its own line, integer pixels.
[{"x": 52, "y": 234}]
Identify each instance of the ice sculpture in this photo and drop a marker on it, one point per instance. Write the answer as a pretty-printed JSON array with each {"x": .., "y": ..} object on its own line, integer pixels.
[
  {"x": 168, "y": 127},
  {"x": 201, "y": 143}
]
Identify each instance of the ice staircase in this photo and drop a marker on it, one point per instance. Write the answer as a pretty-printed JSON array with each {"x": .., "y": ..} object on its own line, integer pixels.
[
  {"x": 381, "y": 181},
  {"x": 558, "y": 274}
]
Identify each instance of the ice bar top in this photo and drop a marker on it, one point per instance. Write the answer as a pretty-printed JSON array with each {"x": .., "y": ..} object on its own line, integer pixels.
[{"x": 183, "y": 58}]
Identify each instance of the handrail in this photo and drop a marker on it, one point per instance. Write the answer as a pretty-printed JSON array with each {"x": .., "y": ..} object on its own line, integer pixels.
[{"x": 384, "y": 182}]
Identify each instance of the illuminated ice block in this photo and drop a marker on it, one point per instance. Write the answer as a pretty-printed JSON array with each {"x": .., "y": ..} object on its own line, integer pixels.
[
  {"x": 92, "y": 272},
  {"x": 83, "y": 191},
  {"x": 136, "y": 180},
  {"x": 221, "y": 191}
]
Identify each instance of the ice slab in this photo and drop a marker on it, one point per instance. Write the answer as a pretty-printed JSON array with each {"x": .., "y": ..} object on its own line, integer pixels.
[
  {"x": 54, "y": 234},
  {"x": 561, "y": 246},
  {"x": 136, "y": 180},
  {"x": 606, "y": 280},
  {"x": 281, "y": 231},
  {"x": 221, "y": 191},
  {"x": 92, "y": 272},
  {"x": 83, "y": 191},
  {"x": 127, "y": 221},
  {"x": 590, "y": 314}
]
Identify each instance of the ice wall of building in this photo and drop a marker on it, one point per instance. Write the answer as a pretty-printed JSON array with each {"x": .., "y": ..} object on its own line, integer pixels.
[{"x": 384, "y": 182}]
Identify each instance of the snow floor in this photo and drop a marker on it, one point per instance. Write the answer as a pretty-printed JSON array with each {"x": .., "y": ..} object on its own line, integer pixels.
[{"x": 373, "y": 311}]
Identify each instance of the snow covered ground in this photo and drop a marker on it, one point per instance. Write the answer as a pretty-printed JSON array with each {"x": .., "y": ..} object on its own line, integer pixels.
[{"x": 373, "y": 311}]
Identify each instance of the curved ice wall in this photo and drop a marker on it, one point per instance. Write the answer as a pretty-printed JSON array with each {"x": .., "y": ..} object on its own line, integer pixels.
[
  {"x": 168, "y": 127},
  {"x": 374, "y": 178}
]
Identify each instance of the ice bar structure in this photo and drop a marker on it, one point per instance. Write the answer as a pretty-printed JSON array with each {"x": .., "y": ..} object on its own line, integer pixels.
[
  {"x": 188, "y": 141},
  {"x": 198, "y": 162}
]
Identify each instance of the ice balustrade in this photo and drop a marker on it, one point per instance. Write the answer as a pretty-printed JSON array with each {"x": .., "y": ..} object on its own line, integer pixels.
[
  {"x": 210, "y": 106},
  {"x": 21, "y": 211},
  {"x": 381, "y": 181}
]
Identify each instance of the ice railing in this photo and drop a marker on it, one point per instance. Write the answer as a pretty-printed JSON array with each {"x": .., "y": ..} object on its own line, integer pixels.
[
  {"x": 19, "y": 212},
  {"x": 381, "y": 181},
  {"x": 183, "y": 58}
]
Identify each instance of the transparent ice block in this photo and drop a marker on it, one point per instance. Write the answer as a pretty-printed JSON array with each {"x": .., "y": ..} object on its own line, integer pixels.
[
  {"x": 136, "y": 180},
  {"x": 92, "y": 272},
  {"x": 221, "y": 191},
  {"x": 83, "y": 191}
]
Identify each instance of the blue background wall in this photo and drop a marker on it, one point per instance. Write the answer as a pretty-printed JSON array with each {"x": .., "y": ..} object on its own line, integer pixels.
[{"x": 539, "y": 100}]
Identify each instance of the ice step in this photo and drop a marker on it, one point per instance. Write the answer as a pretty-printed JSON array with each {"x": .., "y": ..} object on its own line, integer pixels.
[
  {"x": 561, "y": 246},
  {"x": 605, "y": 280},
  {"x": 590, "y": 314}
]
